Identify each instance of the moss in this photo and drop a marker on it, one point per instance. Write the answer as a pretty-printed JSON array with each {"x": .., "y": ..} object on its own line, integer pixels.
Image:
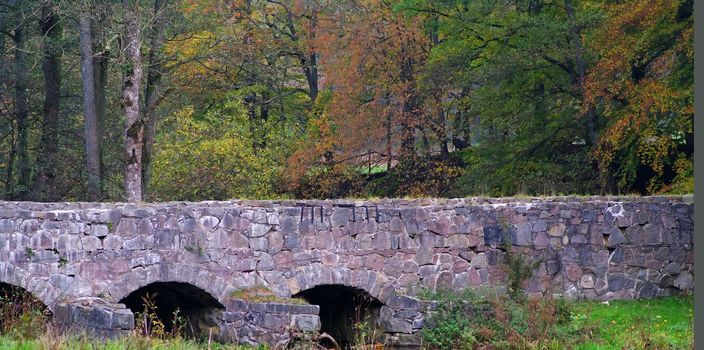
[{"x": 264, "y": 295}]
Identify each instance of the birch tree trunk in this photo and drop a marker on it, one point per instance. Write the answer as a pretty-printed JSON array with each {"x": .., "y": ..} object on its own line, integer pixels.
[
  {"x": 134, "y": 128},
  {"x": 91, "y": 117}
]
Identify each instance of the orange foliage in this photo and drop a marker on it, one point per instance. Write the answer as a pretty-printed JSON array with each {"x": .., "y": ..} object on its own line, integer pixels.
[
  {"x": 632, "y": 81},
  {"x": 372, "y": 57}
]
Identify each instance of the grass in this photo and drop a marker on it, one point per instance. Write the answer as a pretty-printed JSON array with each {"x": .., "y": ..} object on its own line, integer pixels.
[
  {"x": 664, "y": 323},
  {"x": 264, "y": 295},
  {"x": 487, "y": 320},
  {"x": 53, "y": 342},
  {"x": 660, "y": 324}
]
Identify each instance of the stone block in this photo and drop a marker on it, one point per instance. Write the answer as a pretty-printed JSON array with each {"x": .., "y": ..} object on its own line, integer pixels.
[
  {"x": 557, "y": 230},
  {"x": 492, "y": 235},
  {"x": 91, "y": 243},
  {"x": 122, "y": 319},
  {"x": 305, "y": 323},
  {"x": 258, "y": 230},
  {"x": 523, "y": 234}
]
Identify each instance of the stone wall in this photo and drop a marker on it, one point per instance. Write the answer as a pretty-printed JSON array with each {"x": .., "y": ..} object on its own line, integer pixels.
[{"x": 591, "y": 247}]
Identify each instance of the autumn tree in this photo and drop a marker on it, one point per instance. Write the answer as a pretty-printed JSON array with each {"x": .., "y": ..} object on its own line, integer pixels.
[{"x": 643, "y": 84}]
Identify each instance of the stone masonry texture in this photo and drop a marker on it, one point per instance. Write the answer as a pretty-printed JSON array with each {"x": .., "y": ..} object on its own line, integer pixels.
[{"x": 82, "y": 259}]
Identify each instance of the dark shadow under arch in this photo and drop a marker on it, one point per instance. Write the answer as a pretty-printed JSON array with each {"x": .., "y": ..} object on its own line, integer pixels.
[
  {"x": 197, "y": 308},
  {"x": 342, "y": 309},
  {"x": 19, "y": 305}
]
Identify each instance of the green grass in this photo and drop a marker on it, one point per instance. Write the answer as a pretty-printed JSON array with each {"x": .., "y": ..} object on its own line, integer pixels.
[
  {"x": 132, "y": 343},
  {"x": 375, "y": 169},
  {"x": 664, "y": 323}
]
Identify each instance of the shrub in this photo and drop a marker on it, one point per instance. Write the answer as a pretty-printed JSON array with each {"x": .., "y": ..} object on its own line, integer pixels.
[{"x": 492, "y": 320}]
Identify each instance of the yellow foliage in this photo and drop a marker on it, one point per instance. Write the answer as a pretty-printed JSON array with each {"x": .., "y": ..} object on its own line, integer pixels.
[{"x": 209, "y": 158}]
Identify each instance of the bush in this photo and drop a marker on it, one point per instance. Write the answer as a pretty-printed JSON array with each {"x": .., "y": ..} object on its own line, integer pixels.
[{"x": 491, "y": 320}]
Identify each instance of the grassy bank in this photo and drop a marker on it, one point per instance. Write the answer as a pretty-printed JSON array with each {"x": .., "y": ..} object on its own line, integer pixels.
[
  {"x": 52, "y": 342},
  {"x": 665, "y": 323},
  {"x": 547, "y": 324}
]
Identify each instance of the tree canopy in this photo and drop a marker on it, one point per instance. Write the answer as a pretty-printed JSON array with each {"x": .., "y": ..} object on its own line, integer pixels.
[{"x": 216, "y": 99}]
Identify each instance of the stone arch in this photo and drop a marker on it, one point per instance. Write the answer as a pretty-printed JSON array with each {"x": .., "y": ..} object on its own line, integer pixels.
[
  {"x": 343, "y": 309},
  {"x": 375, "y": 283},
  {"x": 180, "y": 307},
  {"x": 346, "y": 297},
  {"x": 214, "y": 284},
  {"x": 35, "y": 285}
]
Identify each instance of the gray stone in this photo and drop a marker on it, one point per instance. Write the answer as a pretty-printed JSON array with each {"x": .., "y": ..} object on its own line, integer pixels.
[
  {"x": 258, "y": 230},
  {"x": 99, "y": 230},
  {"x": 259, "y": 244},
  {"x": 122, "y": 319},
  {"x": 553, "y": 267},
  {"x": 340, "y": 217},
  {"x": 523, "y": 235},
  {"x": 672, "y": 269},
  {"x": 67, "y": 243},
  {"x": 540, "y": 240},
  {"x": 492, "y": 235},
  {"x": 539, "y": 226},
  {"x": 91, "y": 243},
  {"x": 647, "y": 290},
  {"x": 652, "y": 234},
  {"x": 685, "y": 281},
  {"x": 306, "y": 323},
  {"x": 587, "y": 281},
  {"x": 615, "y": 238},
  {"x": 557, "y": 230},
  {"x": 618, "y": 282}
]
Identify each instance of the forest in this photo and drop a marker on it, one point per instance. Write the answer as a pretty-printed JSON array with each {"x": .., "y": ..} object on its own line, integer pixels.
[{"x": 161, "y": 100}]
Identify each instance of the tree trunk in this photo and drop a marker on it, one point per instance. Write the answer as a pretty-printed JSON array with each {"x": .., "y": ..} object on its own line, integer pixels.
[
  {"x": 154, "y": 74},
  {"x": 47, "y": 163},
  {"x": 311, "y": 65},
  {"x": 100, "y": 74},
  {"x": 134, "y": 128},
  {"x": 91, "y": 117},
  {"x": 9, "y": 177},
  {"x": 592, "y": 117},
  {"x": 21, "y": 115}
]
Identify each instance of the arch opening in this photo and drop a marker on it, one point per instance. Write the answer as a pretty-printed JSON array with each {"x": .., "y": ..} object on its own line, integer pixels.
[
  {"x": 347, "y": 314},
  {"x": 174, "y": 308},
  {"x": 20, "y": 311}
]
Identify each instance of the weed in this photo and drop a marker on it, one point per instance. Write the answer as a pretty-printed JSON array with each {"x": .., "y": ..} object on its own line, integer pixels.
[
  {"x": 517, "y": 268},
  {"x": 147, "y": 322},
  {"x": 29, "y": 252}
]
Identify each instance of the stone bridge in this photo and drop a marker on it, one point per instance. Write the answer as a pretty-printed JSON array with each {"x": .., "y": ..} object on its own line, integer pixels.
[{"x": 232, "y": 267}]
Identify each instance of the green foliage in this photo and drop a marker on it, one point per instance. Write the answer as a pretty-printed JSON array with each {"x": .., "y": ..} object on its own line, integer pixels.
[
  {"x": 450, "y": 325},
  {"x": 518, "y": 269},
  {"x": 210, "y": 155},
  {"x": 29, "y": 252},
  {"x": 277, "y": 100},
  {"x": 487, "y": 319}
]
